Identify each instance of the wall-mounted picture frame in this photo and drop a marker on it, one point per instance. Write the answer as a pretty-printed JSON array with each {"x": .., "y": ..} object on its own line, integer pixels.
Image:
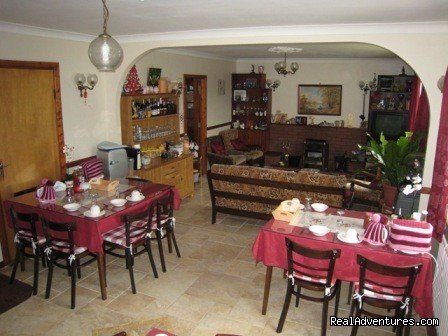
[
  {"x": 239, "y": 95},
  {"x": 154, "y": 76},
  {"x": 320, "y": 99},
  {"x": 221, "y": 87}
]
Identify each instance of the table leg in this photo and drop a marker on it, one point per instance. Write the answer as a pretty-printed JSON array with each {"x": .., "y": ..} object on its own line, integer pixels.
[
  {"x": 267, "y": 288},
  {"x": 102, "y": 274}
]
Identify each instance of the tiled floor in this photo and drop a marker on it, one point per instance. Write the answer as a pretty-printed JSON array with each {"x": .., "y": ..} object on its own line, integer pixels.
[{"x": 214, "y": 287}]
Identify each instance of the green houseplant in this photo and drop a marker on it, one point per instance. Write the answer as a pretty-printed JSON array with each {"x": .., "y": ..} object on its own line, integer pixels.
[{"x": 394, "y": 159}]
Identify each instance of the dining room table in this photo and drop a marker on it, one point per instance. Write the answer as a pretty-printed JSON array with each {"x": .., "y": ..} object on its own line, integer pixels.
[
  {"x": 270, "y": 249},
  {"x": 89, "y": 232}
]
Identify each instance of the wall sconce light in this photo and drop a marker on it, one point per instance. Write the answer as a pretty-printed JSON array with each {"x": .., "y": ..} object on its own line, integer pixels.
[
  {"x": 366, "y": 87},
  {"x": 440, "y": 83},
  {"x": 272, "y": 84},
  {"x": 80, "y": 79}
]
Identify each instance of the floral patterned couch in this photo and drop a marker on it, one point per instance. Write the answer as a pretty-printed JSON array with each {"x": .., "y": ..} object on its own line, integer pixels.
[{"x": 255, "y": 192}]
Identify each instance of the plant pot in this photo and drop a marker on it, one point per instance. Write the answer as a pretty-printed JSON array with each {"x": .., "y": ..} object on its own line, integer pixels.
[{"x": 390, "y": 194}]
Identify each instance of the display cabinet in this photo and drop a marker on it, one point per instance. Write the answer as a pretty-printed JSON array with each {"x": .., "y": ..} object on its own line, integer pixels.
[
  {"x": 389, "y": 106},
  {"x": 251, "y": 108}
]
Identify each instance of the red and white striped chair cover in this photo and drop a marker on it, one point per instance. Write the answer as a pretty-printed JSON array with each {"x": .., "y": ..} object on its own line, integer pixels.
[
  {"x": 64, "y": 247},
  {"x": 28, "y": 236},
  {"x": 118, "y": 235},
  {"x": 379, "y": 292},
  {"x": 92, "y": 168}
]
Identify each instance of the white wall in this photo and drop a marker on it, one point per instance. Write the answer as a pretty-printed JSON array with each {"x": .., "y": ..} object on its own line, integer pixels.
[
  {"x": 345, "y": 72},
  {"x": 175, "y": 65}
]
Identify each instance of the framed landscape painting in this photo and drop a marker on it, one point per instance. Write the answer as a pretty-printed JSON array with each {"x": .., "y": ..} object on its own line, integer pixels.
[{"x": 320, "y": 99}]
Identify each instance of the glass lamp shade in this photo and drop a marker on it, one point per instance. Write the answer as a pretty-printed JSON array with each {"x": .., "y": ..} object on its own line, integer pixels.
[
  {"x": 277, "y": 82},
  {"x": 92, "y": 79},
  {"x": 361, "y": 85},
  {"x": 80, "y": 79},
  {"x": 294, "y": 66},
  {"x": 105, "y": 53}
]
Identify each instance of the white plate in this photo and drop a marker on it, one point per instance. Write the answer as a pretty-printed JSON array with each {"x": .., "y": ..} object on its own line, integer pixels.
[
  {"x": 319, "y": 230},
  {"x": 118, "y": 202},
  {"x": 132, "y": 200},
  {"x": 72, "y": 206},
  {"x": 88, "y": 214},
  {"x": 341, "y": 237}
]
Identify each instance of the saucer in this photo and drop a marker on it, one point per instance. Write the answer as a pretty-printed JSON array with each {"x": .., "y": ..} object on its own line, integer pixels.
[
  {"x": 129, "y": 198},
  {"x": 88, "y": 214},
  {"x": 72, "y": 206},
  {"x": 118, "y": 202},
  {"x": 341, "y": 237}
]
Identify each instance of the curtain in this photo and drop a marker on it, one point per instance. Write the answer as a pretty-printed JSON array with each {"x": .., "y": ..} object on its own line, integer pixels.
[
  {"x": 419, "y": 119},
  {"x": 438, "y": 199}
]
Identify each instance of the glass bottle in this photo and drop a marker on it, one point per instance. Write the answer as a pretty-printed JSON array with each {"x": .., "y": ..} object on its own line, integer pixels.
[{"x": 78, "y": 178}]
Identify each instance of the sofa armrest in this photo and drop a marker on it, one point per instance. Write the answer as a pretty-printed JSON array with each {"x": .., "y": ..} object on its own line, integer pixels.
[{"x": 214, "y": 158}]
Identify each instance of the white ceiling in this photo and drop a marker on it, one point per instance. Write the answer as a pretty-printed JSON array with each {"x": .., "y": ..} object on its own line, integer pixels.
[{"x": 137, "y": 17}]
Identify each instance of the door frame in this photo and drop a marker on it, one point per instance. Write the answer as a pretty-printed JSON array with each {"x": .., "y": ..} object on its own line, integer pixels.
[
  {"x": 32, "y": 65},
  {"x": 202, "y": 116}
]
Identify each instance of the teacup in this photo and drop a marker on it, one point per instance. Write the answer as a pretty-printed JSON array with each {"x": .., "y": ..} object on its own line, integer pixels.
[
  {"x": 351, "y": 235},
  {"x": 136, "y": 195},
  {"x": 95, "y": 210}
]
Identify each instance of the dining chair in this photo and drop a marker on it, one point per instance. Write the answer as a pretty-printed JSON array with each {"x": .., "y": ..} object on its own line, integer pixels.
[
  {"x": 383, "y": 286},
  {"x": 312, "y": 270},
  {"x": 26, "y": 236},
  {"x": 134, "y": 233},
  {"x": 163, "y": 226},
  {"x": 61, "y": 251}
]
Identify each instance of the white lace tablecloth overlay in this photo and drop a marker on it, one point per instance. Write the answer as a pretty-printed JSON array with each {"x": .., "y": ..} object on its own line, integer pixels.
[{"x": 307, "y": 219}]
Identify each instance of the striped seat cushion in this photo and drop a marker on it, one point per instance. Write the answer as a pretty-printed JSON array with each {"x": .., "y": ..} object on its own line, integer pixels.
[
  {"x": 92, "y": 168},
  {"x": 322, "y": 281},
  {"x": 142, "y": 222},
  {"x": 387, "y": 293},
  {"x": 28, "y": 236},
  {"x": 117, "y": 236},
  {"x": 64, "y": 247}
]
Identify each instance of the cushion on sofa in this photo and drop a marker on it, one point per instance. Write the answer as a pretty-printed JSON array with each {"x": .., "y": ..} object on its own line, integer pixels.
[
  {"x": 218, "y": 148},
  {"x": 238, "y": 144}
]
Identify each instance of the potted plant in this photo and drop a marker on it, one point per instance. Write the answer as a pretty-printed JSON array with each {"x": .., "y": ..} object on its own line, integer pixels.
[{"x": 395, "y": 160}]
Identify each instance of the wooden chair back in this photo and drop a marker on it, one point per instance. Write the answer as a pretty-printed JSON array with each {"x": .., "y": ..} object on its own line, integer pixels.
[
  {"x": 400, "y": 287},
  {"x": 24, "y": 222},
  {"x": 138, "y": 231},
  {"x": 318, "y": 270},
  {"x": 59, "y": 232}
]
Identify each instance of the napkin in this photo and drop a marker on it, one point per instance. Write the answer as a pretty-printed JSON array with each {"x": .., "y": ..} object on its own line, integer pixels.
[
  {"x": 59, "y": 186},
  {"x": 45, "y": 191}
]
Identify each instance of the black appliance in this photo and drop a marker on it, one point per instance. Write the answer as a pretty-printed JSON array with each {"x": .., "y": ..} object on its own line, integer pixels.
[{"x": 315, "y": 154}]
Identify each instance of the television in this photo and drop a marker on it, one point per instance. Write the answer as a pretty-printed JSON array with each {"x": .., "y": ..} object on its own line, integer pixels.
[{"x": 392, "y": 124}]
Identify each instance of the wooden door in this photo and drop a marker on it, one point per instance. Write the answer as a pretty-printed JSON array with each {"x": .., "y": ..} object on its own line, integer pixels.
[
  {"x": 195, "y": 114},
  {"x": 31, "y": 136}
]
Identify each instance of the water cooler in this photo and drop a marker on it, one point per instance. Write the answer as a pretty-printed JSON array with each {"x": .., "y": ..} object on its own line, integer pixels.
[{"x": 114, "y": 158}]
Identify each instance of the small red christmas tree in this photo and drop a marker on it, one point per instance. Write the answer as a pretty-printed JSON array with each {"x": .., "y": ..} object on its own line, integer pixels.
[{"x": 132, "y": 84}]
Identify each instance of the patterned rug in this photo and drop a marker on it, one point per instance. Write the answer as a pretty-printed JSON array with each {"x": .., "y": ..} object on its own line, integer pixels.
[
  {"x": 139, "y": 328},
  {"x": 14, "y": 294}
]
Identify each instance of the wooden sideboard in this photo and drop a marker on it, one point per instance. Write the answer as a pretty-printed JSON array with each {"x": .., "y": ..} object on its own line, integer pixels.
[{"x": 177, "y": 172}]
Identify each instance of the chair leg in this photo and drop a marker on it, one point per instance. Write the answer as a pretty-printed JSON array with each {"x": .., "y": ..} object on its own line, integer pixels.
[
  {"x": 73, "y": 273},
  {"x": 159, "y": 243},
  {"x": 323, "y": 328},
  {"x": 175, "y": 243},
  {"x": 151, "y": 259},
  {"x": 36, "y": 272},
  {"x": 407, "y": 329},
  {"x": 168, "y": 238},
  {"x": 214, "y": 212},
  {"x": 49, "y": 277},
  {"x": 299, "y": 289},
  {"x": 358, "y": 314},
  {"x": 350, "y": 292},
  {"x": 16, "y": 263},
  {"x": 352, "y": 307},
  {"x": 131, "y": 270},
  {"x": 22, "y": 260},
  {"x": 78, "y": 269},
  {"x": 286, "y": 304},
  {"x": 338, "y": 294}
]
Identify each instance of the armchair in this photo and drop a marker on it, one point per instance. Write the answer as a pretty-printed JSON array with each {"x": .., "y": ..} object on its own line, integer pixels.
[
  {"x": 365, "y": 188},
  {"x": 254, "y": 155},
  {"x": 216, "y": 155}
]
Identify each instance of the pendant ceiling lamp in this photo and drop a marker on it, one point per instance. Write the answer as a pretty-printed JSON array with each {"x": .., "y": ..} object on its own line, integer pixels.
[
  {"x": 104, "y": 52},
  {"x": 281, "y": 67}
]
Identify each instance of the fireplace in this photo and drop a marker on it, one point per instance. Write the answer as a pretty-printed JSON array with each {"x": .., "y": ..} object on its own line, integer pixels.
[{"x": 315, "y": 154}]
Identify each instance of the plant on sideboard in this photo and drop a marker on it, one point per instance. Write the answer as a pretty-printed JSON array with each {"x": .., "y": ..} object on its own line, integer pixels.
[{"x": 395, "y": 158}]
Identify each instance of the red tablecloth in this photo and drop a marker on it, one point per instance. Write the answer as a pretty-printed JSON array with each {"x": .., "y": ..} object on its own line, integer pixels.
[
  {"x": 269, "y": 248},
  {"x": 89, "y": 231}
]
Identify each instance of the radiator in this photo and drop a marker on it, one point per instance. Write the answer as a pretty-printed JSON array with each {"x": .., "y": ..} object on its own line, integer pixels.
[{"x": 440, "y": 290}]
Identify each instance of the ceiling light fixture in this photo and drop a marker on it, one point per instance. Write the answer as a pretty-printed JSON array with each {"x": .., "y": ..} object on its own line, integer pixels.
[
  {"x": 281, "y": 67},
  {"x": 105, "y": 52}
]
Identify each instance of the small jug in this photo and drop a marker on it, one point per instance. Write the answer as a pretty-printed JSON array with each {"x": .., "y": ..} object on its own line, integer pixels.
[{"x": 377, "y": 233}]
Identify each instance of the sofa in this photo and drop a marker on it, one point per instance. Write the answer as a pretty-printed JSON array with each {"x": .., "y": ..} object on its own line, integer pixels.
[
  {"x": 227, "y": 148},
  {"x": 255, "y": 191}
]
